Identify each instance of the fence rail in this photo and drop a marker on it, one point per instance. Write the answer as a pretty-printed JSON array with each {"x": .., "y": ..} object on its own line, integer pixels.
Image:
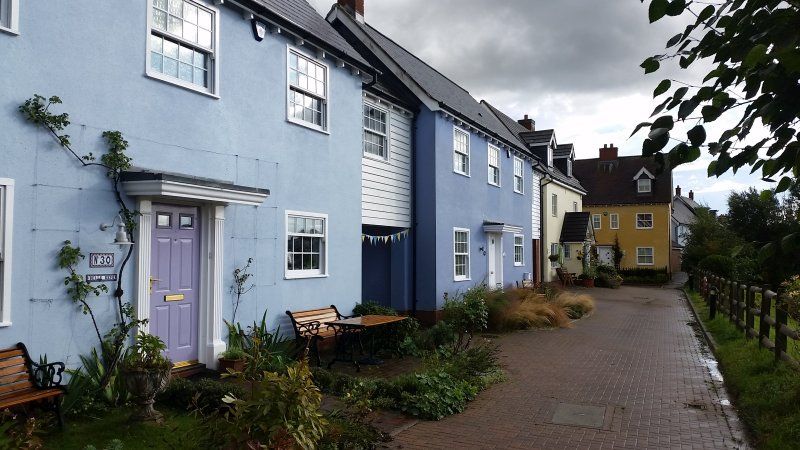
[{"x": 743, "y": 305}]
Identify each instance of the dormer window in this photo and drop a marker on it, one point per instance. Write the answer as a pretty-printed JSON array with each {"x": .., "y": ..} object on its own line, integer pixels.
[
  {"x": 569, "y": 167},
  {"x": 550, "y": 156},
  {"x": 644, "y": 181}
]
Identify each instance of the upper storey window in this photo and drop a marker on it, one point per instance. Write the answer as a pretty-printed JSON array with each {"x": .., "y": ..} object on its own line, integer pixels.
[
  {"x": 308, "y": 91},
  {"x": 182, "y": 44},
  {"x": 375, "y": 132},
  {"x": 9, "y": 16},
  {"x": 460, "y": 151}
]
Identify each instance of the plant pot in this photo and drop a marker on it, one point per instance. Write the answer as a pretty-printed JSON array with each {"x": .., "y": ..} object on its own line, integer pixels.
[
  {"x": 143, "y": 385},
  {"x": 226, "y": 365},
  {"x": 588, "y": 282}
]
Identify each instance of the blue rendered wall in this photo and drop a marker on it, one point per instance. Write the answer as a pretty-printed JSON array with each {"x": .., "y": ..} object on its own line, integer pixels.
[
  {"x": 425, "y": 161},
  {"x": 92, "y": 54}
]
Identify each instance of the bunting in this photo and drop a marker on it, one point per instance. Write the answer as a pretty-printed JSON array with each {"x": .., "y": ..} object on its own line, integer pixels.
[{"x": 373, "y": 240}]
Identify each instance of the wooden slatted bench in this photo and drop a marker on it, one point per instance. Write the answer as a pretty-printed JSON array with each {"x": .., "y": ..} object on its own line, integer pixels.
[
  {"x": 567, "y": 279},
  {"x": 23, "y": 381},
  {"x": 309, "y": 326}
]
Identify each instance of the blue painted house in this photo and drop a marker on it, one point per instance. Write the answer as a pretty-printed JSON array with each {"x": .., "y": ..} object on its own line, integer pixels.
[
  {"x": 474, "y": 194},
  {"x": 242, "y": 118}
]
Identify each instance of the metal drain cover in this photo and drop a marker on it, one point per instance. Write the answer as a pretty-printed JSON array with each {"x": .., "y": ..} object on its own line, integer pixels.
[{"x": 579, "y": 415}]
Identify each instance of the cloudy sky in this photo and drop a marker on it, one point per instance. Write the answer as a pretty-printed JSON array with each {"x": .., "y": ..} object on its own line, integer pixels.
[{"x": 572, "y": 65}]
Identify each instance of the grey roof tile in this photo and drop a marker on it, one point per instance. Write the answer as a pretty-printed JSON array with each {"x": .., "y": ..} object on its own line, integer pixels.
[
  {"x": 563, "y": 151},
  {"x": 575, "y": 227}
]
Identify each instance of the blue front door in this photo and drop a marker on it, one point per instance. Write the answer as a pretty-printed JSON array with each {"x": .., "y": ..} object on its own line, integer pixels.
[{"x": 174, "y": 272}]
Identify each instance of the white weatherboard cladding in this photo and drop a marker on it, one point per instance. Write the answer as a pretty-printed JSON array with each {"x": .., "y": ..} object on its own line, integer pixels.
[
  {"x": 536, "y": 208},
  {"x": 386, "y": 184}
]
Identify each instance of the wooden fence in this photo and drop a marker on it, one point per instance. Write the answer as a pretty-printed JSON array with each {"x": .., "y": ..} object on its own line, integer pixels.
[{"x": 744, "y": 305}]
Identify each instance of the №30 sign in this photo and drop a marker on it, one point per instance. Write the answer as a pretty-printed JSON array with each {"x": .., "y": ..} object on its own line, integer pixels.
[{"x": 101, "y": 260}]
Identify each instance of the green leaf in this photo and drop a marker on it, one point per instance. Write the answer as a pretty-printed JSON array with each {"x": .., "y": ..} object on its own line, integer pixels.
[
  {"x": 676, "y": 7},
  {"x": 663, "y": 122},
  {"x": 712, "y": 169},
  {"x": 639, "y": 127},
  {"x": 656, "y": 133},
  {"x": 790, "y": 242},
  {"x": 680, "y": 92},
  {"x": 710, "y": 113},
  {"x": 657, "y": 10},
  {"x": 697, "y": 135},
  {"x": 650, "y": 65},
  {"x": 693, "y": 154},
  {"x": 766, "y": 252},
  {"x": 755, "y": 56},
  {"x": 686, "y": 61},
  {"x": 687, "y": 107},
  {"x": 705, "y": 14},
  {"x": 662, "y": 87},
  {"x": 784, "y": 184},
  {"x": 674, "y": 40}
]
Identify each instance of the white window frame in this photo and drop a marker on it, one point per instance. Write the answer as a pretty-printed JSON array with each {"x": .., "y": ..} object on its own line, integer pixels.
[
  {"x": 652, "y": 222},
  {"x": 326, "y": 100},
  {"x": 457, "y": 130},
  {"x": 555, "y": 249},
  {"x": 521, "y": 247},
  {"x": 496, "y": 150},
  {"x": 519, "y": 175},
  {"x": 599, "y": 224},
  {"x": 569, "y": 167},
  {"x": 6, "y": 228},
  {"x": 554, "y": 205},
  {"x": 324, "y": 271},
  {"x": 652, "y": 256},
  {"x": 386, "y": 137},
  {"x": 574, "y": 206},
  {"x": 465, "y": 277},
  {"x": 648, "y": 187},
  {"x": 213, "y": 55},
  {"x": 9, "y": 14},
  {"x": 612, "y": 219},
  {"x": 567, "y": 251}
]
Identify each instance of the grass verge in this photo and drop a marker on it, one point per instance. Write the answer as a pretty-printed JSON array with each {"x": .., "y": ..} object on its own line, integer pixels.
[{"x": 766, "y": 394}]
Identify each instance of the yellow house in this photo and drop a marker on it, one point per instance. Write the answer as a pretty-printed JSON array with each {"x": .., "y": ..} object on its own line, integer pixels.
[{"x": 630, "y": 203}]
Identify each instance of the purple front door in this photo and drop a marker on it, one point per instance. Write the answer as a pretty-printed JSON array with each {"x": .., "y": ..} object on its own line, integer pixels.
[{"x": 174, "y": 273}]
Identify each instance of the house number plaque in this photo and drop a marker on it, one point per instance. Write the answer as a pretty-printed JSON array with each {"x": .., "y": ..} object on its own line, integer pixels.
[
  {"x": 101, "y": 260},
  {"x": 100, "y": 277}
]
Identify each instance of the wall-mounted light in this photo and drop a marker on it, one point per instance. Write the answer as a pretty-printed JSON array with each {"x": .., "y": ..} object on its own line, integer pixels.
[
  {"x": 259, "y": 29},
  {"x": 482, "y": 250},
  {"x": 121, "y": 237}
]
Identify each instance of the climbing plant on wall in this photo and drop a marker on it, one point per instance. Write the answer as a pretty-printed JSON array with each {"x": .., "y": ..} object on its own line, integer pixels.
[{"x": 37, "y": 110}]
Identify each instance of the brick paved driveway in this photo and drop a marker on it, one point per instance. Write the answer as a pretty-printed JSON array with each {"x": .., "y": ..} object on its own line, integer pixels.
[{"x": 636, "y": 368}]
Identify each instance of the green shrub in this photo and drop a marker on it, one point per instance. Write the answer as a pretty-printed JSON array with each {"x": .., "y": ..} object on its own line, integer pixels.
[
  {"x": 467, "y": 314},
  {"x": 398, "y": 338},
  {"x": 607, "y": 276},
  {"x": 204, "y": 394},
  {"x": 84, "y": 391},
  {"x": 348, "y": 432},
  {"x": 434, "y": 337},
  {"x": 719, "y": 265},
  {"x": 434, "y": 395},
  {"x": 644, "y": 275}
]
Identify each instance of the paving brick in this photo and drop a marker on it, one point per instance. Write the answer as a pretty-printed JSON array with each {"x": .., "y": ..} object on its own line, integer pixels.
[{"x": 637, "y": 355}]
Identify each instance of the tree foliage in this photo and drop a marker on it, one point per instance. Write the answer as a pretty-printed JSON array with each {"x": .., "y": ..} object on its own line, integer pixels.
[{"x": 754, "y": 47}]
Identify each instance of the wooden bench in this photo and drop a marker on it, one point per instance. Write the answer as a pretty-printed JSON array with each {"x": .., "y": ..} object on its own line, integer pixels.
[
  {"x": 309, "y": 326},
  {"x": 23, "y": 381},
  {"x": 567, "y": 279}
]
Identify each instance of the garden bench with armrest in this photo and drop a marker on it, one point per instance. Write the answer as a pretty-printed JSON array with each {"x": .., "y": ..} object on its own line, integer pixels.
[
  {"x": 22, "y": 381},
  {"x": 567, "y": 279},
  {"x": 310, "y": 326}
]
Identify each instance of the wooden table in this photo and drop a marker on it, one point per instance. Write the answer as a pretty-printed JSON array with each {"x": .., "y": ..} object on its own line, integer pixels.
[{"x": 347, "y": 331}]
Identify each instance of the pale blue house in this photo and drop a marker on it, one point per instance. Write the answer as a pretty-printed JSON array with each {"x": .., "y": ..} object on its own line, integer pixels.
[
  {"x": 474, "y": 195},
  {"x": 242, "y": 118}
]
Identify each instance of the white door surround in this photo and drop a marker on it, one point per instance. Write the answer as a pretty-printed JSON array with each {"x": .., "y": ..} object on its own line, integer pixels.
[{"x": 494, "y": 253}]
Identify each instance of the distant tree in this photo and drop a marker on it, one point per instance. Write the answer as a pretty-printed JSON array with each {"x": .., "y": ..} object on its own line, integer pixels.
[
  {"x": 708, "y": 235},
  {"x": 754, "y": 46},
  {"x": 756, "y": 216}
]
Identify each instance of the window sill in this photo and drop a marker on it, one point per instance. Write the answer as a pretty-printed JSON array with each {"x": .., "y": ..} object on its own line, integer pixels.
[
  {"x": 462, "y": 174},
  {"x": 458, "y": 280},
  {"x": 12, "y": 32},
  {"x": 5, "y": 324},
  {"x": 519, "y": 192},
  {"x": 519, "y": 264},
  {"x": 303, "y": 277},
  {"x": 495, "y": 185},
  {"x": 176, "y": 82},
  {"x": 377, "y": 158},
  {"x": 644, "y": 228},
  {"x": 643, "y": 264},
  {"x": 308, "y": 125}
]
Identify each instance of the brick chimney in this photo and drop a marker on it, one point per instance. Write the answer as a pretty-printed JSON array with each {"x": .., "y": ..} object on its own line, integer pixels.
[
  {"x": 354, "y": 7},
  {"x": 609, "y": 152},
  {"x": 528, "y": 123},
  {"x": 691, "y": 195},
  {"x": 678, "y": 191}
]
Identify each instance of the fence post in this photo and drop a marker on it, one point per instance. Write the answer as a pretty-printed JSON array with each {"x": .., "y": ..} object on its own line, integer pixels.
[
  {"x": 742, "y": 305},
  {"x": 780, "y": 339},
  {"x": 732, "y": 302},
  {"x": 712, "y": 303},
  {"x": 766, "y": 310},
  {"x": 748, "y": 313}
]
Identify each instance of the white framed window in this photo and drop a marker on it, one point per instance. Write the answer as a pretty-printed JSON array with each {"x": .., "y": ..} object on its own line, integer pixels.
[
  {"x": 597, "y": 221},
  {"x": 9, "y": 16},
  {"x": 182, "y": 44},
  {"x": 644, "y": 221},
  {"x": 460, "y": 254},
  {"x": 554, "y": 250},
  {"x": 519, "y": 250},
  {"x": 519, "y": 176},
  {"x": 554, "y": 205},
  {"x": 460, "y": 151},
  {"x": 574, "y": 206},
  {"x": 614, "y": 221},
  {"x": 6, "y": 226},
  {"x": 569, "y": 167},
  {"x": 494, "y": 166},
  {"x": 306, "y": 245},
  {"x": 644, "y": 185},
  {"x": 567, "y": 251},
  {"x": 376, "y": 132},
  {"x": 307, "y": 91},
  {"x": 644, "y": 256}
]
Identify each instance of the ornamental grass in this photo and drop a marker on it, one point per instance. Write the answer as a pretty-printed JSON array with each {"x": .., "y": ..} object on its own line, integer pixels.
[{"x": 524, "y": 309}]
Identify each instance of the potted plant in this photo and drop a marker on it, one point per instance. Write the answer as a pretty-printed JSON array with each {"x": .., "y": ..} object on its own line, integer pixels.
[
  {"x": 553, "y": 257},
  {"x": 146, "y": 372},
  {"x": 231, "y": 360}
]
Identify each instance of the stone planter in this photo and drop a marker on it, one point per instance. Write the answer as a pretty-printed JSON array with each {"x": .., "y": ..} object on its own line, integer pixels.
[
  {"x": 143, "y": 385},
  {"x": 588, "y": 282},
  {"x": 236, "y": 365}
]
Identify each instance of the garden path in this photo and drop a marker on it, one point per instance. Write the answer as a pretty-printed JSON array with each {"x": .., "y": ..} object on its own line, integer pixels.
[{"x": 633, "y": 375}]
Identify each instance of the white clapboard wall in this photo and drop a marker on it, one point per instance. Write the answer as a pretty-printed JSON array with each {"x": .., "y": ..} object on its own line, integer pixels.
[{"x": 536, "y": 206}]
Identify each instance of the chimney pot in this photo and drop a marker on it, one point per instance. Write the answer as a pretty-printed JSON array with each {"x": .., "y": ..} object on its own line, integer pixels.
[
  {"x": 354, "y": 7},
  {"x": 691, "y": 195},
  {"x": 609, "y": 153},
  {"x": 678, "y": 191},
  {"x": 528, "y": 123}
]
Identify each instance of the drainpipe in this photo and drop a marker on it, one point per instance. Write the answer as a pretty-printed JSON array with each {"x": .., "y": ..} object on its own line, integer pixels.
[{"x": 546, "y": 179}]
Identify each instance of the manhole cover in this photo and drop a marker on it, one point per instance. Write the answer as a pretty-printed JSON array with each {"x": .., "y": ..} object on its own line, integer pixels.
[{"x": 579, "y": 415}]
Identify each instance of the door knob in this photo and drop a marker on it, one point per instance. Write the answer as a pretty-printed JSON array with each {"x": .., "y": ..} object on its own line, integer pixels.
[{"x": 151, "y": 283}]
